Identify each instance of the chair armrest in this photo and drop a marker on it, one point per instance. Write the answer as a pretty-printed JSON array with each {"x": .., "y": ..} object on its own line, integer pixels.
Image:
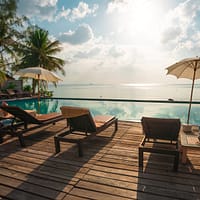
[{"x": 143, "y": 142}]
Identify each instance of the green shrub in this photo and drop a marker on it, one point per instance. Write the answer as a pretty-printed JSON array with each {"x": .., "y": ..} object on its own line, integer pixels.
[{"x": 27, "y": 88}]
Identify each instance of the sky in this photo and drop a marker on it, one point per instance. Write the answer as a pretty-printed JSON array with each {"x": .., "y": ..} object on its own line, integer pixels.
[{"x": 119, "y": 41}]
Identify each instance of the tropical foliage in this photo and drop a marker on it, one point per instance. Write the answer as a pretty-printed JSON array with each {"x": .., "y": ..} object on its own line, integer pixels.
[
  {"x": 10, "y": 33},
  {"x": 38, "y": 50},
  {"x": 23, "y": 45},
  {"x": 2, "y": 73},
  {"x": 2, "y": 77}
]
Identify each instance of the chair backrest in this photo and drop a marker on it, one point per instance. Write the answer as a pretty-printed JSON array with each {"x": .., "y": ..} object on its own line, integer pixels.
[
  {"x": 79, "y": 119},
  {"x": 2, "y": 93},
  {"x": 161, "y": 128},
  {"x": 20, "y": 114},
  {"x": 11, "y": 92}
]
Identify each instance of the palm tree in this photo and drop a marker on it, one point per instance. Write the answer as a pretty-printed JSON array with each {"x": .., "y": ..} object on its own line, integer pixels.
[
  {"x": 38, "y": 50},
  {"x": 9, "y": 32},
  {"x": 2, "y": 77}
]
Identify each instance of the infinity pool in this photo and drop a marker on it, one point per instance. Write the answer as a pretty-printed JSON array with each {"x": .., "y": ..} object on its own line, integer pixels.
[{"x": 124, "y": 110}]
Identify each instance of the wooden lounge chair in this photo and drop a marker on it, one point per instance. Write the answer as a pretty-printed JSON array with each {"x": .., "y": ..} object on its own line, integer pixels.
[
  {"x": 81, "y": 120},
  {"x": 8, "y": 126},
  {"x": 11, "y": 93},
  {"x": 5, "y": 125},
  {"x": 160, "y": 136},
  {"x": 3, "y": 95},
  {"x": 21, "y": 93},
  {"x": 39, "y": 120}
]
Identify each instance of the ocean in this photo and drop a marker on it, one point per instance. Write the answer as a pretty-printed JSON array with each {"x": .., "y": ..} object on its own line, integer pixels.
[
  {"x": 135, "y": 110},
  {"x": 127, "y": 91},
  {"x": 124, "y": 109}
]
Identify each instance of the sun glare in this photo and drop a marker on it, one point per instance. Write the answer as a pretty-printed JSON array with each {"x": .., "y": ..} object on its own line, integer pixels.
[{"x": 139, "y": 21}]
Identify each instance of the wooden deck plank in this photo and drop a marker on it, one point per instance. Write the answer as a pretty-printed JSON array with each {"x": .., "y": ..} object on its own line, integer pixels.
[
  {"x": 90, "y": 194},
  {"x": 108, "y": 169},
  {"x": 132, "y": 190},
  {"x": 72, "y": 197},
  {"x": 42, "y": 181},
  {"x": 148, "y": 186},
  {"x": 7, "y": 192},
  {"x": 31, "y": 187}
]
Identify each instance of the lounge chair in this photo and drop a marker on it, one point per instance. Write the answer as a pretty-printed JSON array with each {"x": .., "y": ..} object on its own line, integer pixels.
[
  {"x": 81, "y": 120},
  {"x": 3, "y": 95},
  {"x": 160, "y": 136},
  {"x": 11, "y": 93},
  {"x": 5, "y": 124},
  {"x": 27, "y": 118},
  {"x": 21, "y": 93},
  {"x": 8, "y": 126}
]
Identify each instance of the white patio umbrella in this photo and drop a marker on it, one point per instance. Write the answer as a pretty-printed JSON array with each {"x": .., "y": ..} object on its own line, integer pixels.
[
  {"x": 188, "y": 68},
  {"x": 40, "y": 74}
]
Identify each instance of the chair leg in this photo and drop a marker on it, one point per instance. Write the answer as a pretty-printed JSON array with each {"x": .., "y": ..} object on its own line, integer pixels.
[
  {"x": 1, "y": 139},
  {"x": 140, "y": 156},
  {"x": 21, "y": 140},
  {"x": 116, "y": 125},
  {"x": 80, "y": 150},
  {"x": 57, "y": 144},
  {"x": 176, "y": 162}
]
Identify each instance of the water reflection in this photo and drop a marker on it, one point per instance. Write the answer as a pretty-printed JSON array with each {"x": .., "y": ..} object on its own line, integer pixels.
[
  {"x": 43, "y": 106},
  {"x": 123, "y": 110}
]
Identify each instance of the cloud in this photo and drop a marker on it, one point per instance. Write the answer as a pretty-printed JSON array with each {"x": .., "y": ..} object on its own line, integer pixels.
[
  {"x": 172, "y": 33},
  {"x": 102, "y": 60},
  {"x": 44, "y": 10},
  {"x": 116, "y": 52},
  {"x": 180, "y": 22},
  {"x": 88, "y": 54},
  {"x": 117, "y": 5},
  {"x": 47, "y": 10},
  {"x": 82, "y": 10},
  {"x": 79, "y": 12},
  {"x": 81, "y": 35},
  {"x": 64, "y": 13}
]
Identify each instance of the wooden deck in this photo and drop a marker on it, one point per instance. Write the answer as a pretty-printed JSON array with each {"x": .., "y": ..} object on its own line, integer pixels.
[{"x": 107, "y": 171}]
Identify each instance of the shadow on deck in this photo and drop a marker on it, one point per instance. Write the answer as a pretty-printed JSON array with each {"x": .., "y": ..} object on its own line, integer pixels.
[{"x": 107, "y": 171}]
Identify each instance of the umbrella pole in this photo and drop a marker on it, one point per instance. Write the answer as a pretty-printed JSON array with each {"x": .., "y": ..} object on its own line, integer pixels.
[
  {"x": 38, "y": 87},
  {"x": 39, "y": 93},
  {"x": 188, "y": 118}
]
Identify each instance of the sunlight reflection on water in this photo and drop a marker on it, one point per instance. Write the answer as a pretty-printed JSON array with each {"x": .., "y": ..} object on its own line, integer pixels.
[
  {"x": 123, "y": 110},
  {"x": 128, "y": 91}
]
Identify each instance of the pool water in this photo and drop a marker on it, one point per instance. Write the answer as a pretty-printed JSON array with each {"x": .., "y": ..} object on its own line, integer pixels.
[{"x": 132, "y": 111}]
